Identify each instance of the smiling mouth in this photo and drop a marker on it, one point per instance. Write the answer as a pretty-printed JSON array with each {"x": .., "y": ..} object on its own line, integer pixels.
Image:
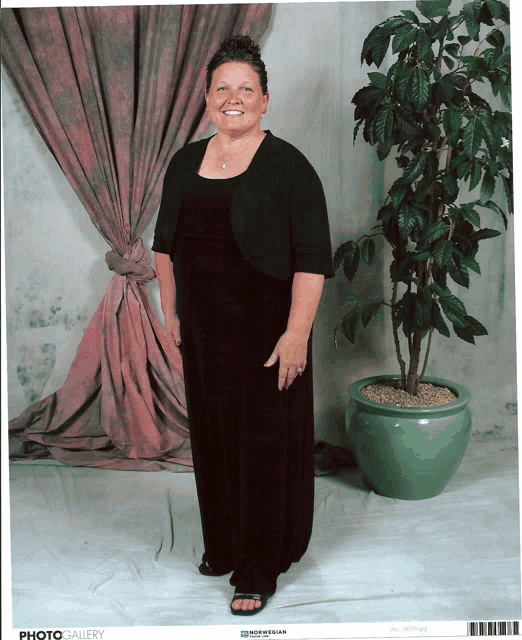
[{"x": 232, "y": 112}]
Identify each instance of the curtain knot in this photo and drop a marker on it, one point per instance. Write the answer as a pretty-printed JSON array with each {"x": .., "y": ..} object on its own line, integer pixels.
[{"x": 135, "y": 262}]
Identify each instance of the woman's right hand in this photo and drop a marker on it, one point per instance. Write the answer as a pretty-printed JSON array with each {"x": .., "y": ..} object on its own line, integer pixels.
[{"x": 172, "y": 327}]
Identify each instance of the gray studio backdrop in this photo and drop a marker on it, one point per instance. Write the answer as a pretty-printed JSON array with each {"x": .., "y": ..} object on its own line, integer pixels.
[{"x": 56, "y": 273}]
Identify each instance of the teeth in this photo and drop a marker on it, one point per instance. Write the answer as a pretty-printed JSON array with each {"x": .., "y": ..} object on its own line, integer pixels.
[{"x": 234, "y": 113}]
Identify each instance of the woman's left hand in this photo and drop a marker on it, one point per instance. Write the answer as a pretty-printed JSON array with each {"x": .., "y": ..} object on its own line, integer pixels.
[{"x": 291, "y": 351}]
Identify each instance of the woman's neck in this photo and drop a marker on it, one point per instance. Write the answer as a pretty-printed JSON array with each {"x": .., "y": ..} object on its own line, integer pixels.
[{"x": 236, "y": 142}]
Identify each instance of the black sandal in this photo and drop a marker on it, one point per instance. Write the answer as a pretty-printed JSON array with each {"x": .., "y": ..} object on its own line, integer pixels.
[
  {"x": 205, "y": 570},
  {"x": 263, "y": 597}
]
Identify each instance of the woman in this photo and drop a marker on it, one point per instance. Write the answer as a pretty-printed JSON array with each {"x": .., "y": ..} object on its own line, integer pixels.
[{"x": 242, "y": 247}]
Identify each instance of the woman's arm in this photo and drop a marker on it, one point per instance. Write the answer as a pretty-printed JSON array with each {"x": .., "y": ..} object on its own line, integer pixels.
[
  {"x": 167, "y": 287},
  {"x": 292, "y": 345}
]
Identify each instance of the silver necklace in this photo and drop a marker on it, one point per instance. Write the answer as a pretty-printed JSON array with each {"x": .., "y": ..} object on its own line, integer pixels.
[{"x": 225, "y": 159}]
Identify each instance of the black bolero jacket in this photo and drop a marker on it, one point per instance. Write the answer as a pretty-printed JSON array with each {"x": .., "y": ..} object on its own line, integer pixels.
[{"x": 278, "y": 213}]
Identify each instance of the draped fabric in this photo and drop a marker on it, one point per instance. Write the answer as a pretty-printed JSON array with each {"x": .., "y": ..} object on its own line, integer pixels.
[{"x": 114, "y": 92}]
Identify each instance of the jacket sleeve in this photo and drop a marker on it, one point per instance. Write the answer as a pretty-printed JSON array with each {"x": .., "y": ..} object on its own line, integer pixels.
[
  {"x": 309, "y": 228},
  {"x": 165, "y": 224}
]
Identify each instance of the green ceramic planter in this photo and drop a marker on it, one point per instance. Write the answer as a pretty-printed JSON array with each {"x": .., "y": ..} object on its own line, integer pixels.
[{"x": 408, "y": 453}]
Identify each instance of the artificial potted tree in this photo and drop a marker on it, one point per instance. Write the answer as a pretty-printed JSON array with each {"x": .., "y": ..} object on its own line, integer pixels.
[{"x": 448, "y": 140}]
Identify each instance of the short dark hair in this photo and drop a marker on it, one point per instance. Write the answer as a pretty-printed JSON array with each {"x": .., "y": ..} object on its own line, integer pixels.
[{"x": 239, "y": 49}]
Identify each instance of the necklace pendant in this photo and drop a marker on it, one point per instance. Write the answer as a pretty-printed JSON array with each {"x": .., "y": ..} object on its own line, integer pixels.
[{"x": 224, "y": 165}]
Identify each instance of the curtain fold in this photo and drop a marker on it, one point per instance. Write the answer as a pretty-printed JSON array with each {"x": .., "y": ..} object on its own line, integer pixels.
[{"x": 114, "y": 92}]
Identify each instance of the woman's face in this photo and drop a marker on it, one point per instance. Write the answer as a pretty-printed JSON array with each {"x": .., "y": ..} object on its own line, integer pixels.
[{"x": 235, "y": 100}]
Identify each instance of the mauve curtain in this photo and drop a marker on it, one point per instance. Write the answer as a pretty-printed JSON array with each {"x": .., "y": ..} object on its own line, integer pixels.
[{"x": 114, "y": 92}]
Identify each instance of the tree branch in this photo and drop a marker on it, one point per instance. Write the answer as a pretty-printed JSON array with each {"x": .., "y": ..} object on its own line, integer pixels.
[{"x": 402, "y": 364}]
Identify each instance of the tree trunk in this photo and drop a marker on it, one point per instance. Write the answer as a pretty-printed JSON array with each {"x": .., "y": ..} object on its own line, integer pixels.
[{"x": 412, "y": 384}]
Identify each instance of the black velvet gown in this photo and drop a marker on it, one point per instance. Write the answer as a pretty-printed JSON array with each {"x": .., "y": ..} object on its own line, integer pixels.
[{"x": 252, "y": 444}]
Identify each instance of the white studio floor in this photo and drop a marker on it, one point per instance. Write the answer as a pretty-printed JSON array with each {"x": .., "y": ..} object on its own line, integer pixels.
[{"x": 97, "y": 548}]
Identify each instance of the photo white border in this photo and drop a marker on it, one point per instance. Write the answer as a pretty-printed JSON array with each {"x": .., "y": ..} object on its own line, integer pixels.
[{"x": 226, "y": 632}]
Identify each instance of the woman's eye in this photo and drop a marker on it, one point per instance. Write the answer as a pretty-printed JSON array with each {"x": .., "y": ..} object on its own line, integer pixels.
[{"x": 247, "y": 89}]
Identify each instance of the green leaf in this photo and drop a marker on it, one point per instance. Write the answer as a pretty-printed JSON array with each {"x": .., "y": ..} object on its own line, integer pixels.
[
  {"x": 463, "y": 333},
  {"x": 422, "y": 313},
  {"x": 439, "y": 291},
  {"x": 476, "y": 174},
  {"x": 464, "y": 40},
  {"x": 437, "y": 321},
  {"x": 471, "y": 11},
  {"x": 472, "y": 136},
  {"x": 475, "y": 65},
  {"x": 470, "y": 215},
  {"x": 496, "y": 38},
  {"x": 462, "y": 165},
  {"x": 452, "y": 121},
  {"x": 503, "y": 61},
  {"x": 487, "y": 188},
  {"x": 415, "y": 167},
  {"x": 376, "y": 45},
  {"x": 452, "y": 49},
  {"x": 367, "y": 96},
  {"x": 505, "y": 94},
  {"x": 351, "y": 297},
  {"x": 346, "y": 247},
  {"x": 485, "y": 16},
  {"x": 420, "y": 88},
  {"x": 407, "y": 127},
  {"x": 490, "y": 134},
  {"x": 470, "y": 263},
  {"x": 397, "y": 194},
  {"x": 407, "y": 219},
  {"x": 484, "y": 234},
  {"x": 369, "y": 42},
  {"x": 498, "y": 10},
  {"x": 435, "y": 231},
  {"x": 424, "y": 50},
  {"x": 393, "y": 24},
  {"x": 377, "y": 79},
  {"x": 403, "y": 81},
  {"x": 404, "y": 314},
  {"x": 441, "y": 30},
  {"x": 450, "y": 186},
  {"x": 351, "y": 262},
  {"x": 369, "y": 311},
  {"x": 476, "y": 328},
  {"x": 384, "y": 213},
  {"x": 379, "y": 51},
  {"x": 508, "y": 188},
  {"x": 448, "y": 89},
  {"x": 356, "y": 130},
  {"x": 493, "y": 206},
  {"x": 384, "y": 125},
  {"x": 458, "y": 273},
  {"x": 449, "y": 62},
  {"x": 349, "y": 324},
  {"x": 384, "y": 148},
  {"x": 368, "y": 250},
  {"x": 404, "y": 38},
  {"x": 411, "y": 15},
  {"x": 476, "y": 101},
  {"x": 442, "y": 251},
  {"x": 454, "y": 309},
  {"x": 433, "y": 8}
]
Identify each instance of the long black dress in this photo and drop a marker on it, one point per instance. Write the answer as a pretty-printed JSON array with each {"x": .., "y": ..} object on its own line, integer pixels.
[{"x": 252, "y": 444}]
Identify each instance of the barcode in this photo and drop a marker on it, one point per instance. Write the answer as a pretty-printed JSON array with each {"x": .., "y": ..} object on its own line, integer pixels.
[{"x": 493, "y": 628}]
